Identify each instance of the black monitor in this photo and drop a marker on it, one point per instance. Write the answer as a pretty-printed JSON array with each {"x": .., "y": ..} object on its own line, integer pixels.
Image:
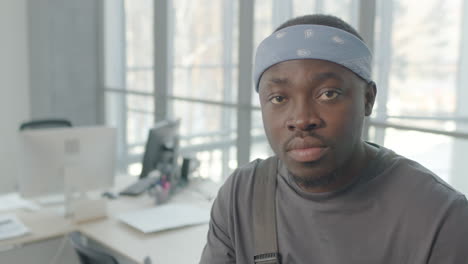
[{"x": 162, "y": 148}]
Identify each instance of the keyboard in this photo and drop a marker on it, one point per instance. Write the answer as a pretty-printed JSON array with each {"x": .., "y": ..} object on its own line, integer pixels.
[{"x": 140, "y": 186}]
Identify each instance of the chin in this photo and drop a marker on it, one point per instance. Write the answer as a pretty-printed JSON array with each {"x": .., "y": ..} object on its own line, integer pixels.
[
  {"x": 312, "y": 178},
  {"x": 309, "y": 171}
]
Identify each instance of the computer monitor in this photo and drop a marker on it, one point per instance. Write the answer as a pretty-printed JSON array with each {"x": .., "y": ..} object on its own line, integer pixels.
[
  {"x": 162, "y": 147},
  {"x": 82, "y": 158}
]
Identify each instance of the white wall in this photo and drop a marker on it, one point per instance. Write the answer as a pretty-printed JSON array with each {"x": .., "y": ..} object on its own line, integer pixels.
[{"x": 14, "y": 86}]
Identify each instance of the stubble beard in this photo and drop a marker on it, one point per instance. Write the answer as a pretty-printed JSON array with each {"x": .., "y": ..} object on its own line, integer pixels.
[{"x": 312, "y": 182}]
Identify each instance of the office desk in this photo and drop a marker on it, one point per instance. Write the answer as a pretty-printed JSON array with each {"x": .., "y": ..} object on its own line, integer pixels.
[
  {"x": 183, "y": 245},
  {"x": 44, "y": 224},
  {"x": 43, "y": 244}
]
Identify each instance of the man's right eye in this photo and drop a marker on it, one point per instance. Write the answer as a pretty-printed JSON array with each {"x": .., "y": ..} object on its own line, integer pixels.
[{"x": 278, "y": 99}]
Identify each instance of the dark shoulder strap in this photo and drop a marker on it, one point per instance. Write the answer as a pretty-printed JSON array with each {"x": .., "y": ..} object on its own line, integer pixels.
[{"x": 264, "y": 214}]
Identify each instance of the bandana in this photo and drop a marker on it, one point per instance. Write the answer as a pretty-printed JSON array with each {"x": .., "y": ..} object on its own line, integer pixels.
[{"x": 313, "y": 42}]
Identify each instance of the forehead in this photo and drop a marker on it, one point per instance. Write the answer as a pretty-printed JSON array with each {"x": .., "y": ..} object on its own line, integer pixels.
[
  {"x": 311, "y": 66},
  {"x": 307, "y": 70}
]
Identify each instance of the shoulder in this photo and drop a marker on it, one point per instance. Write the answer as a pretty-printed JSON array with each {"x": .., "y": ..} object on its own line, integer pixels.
[
  {"x": 423, "y": 180},
  {"x": 420, "y": 202},
  {"x": 411, "y": 174},
  {"x": 418, "y": 187}
]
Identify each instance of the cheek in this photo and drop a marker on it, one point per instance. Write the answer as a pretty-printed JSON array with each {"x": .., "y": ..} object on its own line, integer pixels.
[
  {"x": 273, "y": 125},
  {"x": 346, "y": 123}
]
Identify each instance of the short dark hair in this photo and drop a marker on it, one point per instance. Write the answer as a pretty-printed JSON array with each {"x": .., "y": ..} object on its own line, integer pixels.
[{"x": 320, "y": 19}]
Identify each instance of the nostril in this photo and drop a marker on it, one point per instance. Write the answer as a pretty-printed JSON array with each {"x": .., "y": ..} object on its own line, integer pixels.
[
  {"x": 300, "y": 124},
  {"x": 290, "y": 124},
  {"x": 311, "y": 126}
]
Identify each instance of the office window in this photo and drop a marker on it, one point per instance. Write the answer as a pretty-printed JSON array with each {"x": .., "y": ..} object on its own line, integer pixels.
[
  {"x": 139, "y": 78},
  {"x": 203, "y": 70},
  {"x": 129, "y": 84},
  {"x": 418, "y": 66},
  {"x": 420, "y": 56}
]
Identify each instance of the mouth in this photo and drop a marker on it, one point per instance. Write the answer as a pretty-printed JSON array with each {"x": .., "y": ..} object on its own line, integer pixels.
[
  {"x": 306, "y": 149},
  {"x": 310, "y": 154}
]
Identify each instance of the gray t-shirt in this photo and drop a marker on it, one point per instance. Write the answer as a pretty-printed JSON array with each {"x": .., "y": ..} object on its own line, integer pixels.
[{"x": 396, "y": 212}]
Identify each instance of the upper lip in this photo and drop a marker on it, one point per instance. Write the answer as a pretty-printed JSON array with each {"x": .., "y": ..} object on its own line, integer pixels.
[{"x": 304, "y": 143}]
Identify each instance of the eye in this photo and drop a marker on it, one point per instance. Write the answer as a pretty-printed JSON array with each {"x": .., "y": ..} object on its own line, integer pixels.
[
  {"x": 328, "y": 95},
  {"x": 278, "y": 99}
]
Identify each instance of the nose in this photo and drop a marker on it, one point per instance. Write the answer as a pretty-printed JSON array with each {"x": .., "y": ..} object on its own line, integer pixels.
[{"x": 304, "y": 118}]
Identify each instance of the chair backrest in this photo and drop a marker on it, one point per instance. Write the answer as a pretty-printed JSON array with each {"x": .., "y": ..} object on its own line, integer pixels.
[
  {"x": 45, "y": 123},
  {"x": 87, "y": 254}
]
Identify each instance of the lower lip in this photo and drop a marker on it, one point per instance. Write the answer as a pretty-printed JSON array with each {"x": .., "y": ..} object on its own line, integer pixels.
[{"x": 307, "y": 155}]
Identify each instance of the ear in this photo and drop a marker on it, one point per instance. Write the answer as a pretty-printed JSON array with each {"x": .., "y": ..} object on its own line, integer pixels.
[{"x": 370, "y": 93}]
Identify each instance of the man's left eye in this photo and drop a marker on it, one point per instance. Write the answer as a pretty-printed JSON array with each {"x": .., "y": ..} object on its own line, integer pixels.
[{"x": 328, "y": 95}]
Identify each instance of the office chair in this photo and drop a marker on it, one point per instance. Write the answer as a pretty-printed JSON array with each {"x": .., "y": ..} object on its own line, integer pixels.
[
  {"x": 45, "y": 123},
  {"x": 87, "y": 254}
]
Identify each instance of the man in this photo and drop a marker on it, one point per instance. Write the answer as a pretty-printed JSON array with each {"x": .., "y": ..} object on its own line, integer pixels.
[{"x": 337, "y": 198}]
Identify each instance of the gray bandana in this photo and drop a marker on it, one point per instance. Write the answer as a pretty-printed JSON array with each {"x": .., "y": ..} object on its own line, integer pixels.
[{"x": 313, "y": 42}]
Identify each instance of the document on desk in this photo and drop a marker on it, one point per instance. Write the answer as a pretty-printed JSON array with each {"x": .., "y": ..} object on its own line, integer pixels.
[
  {"x": 11, "y": 226},
  {"x": 13, "y": 201},
  {"x": 165, "y": 217}
]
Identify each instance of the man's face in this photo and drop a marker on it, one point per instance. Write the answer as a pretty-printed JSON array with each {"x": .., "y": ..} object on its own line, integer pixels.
[{"x": 313, "y": 113}]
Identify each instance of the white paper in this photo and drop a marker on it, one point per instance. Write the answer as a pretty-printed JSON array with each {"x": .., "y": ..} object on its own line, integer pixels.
[
  {"x": 165, "y": 217},
  {"x": 11, "y": 226},
  {"x": 13, "y": 201}
]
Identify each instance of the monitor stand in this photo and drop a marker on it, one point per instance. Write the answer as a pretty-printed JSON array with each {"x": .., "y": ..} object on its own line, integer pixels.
[
  {"x": 74, "y": 198},
  {"x": 51, "y": 200},
  {"x": 60, "y": 203}
]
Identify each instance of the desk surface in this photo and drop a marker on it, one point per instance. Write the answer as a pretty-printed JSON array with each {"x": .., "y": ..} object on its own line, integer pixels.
[
  {"x": 43, "y": 224},
  {"x": 183, "y": 245}
]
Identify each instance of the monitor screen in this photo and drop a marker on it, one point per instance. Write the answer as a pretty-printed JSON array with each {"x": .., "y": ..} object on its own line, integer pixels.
[
  {"x": 82, "y": 158},
  {"x": 161, "y": 147}
]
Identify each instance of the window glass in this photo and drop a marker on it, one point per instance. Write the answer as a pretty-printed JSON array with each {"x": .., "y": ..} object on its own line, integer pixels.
[
  {"x": 203, "y": 82},
  {"x": 141, "y": 80},
  {"x": 200, "y": 118},
  {"x": 138, "y": 125},
  {"x": 204, "y": 36},
  {"x": 137, "y": 114},
  {"x": 417, "y": 71},
  {"x": 207, "y": 132},
  {"x": 139, "y": 33},
  {"x": 203, "y": 70},
  {"x": 421, "y": 53},
  {"x": 140, "y": 103}
]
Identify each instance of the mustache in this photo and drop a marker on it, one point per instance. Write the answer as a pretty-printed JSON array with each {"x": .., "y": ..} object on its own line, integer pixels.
[{"x": 306, "y": 135}]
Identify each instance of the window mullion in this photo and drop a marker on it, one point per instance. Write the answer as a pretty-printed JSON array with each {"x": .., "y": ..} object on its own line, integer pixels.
[
  {"x": 161, "y": 58},
  {"x": 244, "y": 115},
  {"x": 366, "y": 22},
  {"x": 459, "y": 169},
  {"x": 384, "y": 64}
]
